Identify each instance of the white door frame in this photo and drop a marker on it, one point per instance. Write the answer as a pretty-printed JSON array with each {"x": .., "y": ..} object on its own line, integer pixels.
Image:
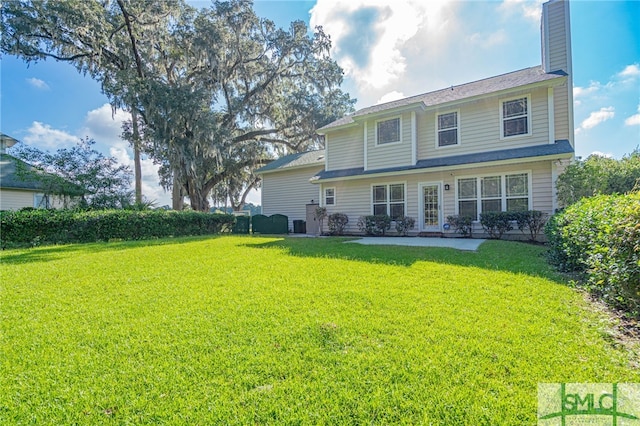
[{"x": 421, "y": 226}]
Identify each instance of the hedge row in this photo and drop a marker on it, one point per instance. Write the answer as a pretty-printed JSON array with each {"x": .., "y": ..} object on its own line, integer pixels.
[
  {"x": 33, "y": 227},
  {"x": 600, "y": 236}
]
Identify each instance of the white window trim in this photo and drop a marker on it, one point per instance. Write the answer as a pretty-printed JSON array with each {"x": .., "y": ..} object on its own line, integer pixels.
[
  {"x": 439, "y": 113},
  {"x": 503, "y": 184},
  {"x": 324, "y": 198},
  {"x": 388, "y": 184},
  {"x": 529, "y": 114},
  {"x": 399, "y": 117}
]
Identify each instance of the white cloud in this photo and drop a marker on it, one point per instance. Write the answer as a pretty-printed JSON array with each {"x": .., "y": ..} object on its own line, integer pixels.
[
  {"x": 579, "y": 92},
  {"x": 37, "y": 83},
  {"x": 368, "y": 35},
  {"x": 44, "y": 136},
  {"x": 632, "y": 70},
  {"x": 634, "y": 120},
  {"x": 390, "y": 97},
  {"x": 490, "y": 40},
  {"x": 596, "y": 118},
  {"x": 531, "y": 10}
]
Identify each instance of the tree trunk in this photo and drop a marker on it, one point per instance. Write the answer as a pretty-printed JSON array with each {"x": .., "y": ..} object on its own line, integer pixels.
[
  {"x": 137, "y": 167},
  {"x": 177, "y": 198}
]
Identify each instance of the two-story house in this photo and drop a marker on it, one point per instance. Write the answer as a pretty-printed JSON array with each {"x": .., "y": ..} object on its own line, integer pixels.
[{"x": 496, "y": 144}]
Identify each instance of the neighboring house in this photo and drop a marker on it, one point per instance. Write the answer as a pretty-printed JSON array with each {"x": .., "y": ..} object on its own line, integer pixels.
[
  {"x": 496, "y": 144},
  {"x": 17, "y": 192}
]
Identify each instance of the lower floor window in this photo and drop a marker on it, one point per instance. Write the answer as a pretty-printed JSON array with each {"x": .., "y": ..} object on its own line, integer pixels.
[
  {"x": 41, "y": 201},
  {"x": 389, "y": 200},
  {"x": 496, "y": 193}
]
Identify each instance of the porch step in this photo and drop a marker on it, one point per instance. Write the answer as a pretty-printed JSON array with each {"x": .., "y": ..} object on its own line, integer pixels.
[{"x": 430, "y": 234}]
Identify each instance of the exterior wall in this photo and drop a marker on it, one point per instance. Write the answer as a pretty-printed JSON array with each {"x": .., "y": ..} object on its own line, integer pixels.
[
  {"x": 11, "y": 199},
  {"x": 479, "y": 127},
  {"x": 389, "y": 155},
  {"x": 288, "y": 192},
  {"x": 353, "y": 197},
  {"x": 345, "y": 148}
]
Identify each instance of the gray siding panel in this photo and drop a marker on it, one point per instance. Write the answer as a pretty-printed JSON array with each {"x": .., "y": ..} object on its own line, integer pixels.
[
  {"x": 288, "y": 193},
  {"x": 345, "y": 148}
]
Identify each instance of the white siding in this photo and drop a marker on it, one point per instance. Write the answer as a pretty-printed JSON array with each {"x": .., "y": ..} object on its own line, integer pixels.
[
  {"x": 11, "y": 199},
  {"x": 479, "y": 127},
  {"x": 354, "y": 196},
  {"x": 288, "y": 193},
  {"x": 389, "y": 155},
  {"x": 345, "y": 148}
]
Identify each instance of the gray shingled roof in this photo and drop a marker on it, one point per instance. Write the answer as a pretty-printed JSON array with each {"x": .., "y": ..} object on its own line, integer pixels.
[
  {"x": 9, "y": 178},
  {"x": 300, "y": 159},
  {"x": 454, "y": 93},
  {"x": 560, "y": 147}
]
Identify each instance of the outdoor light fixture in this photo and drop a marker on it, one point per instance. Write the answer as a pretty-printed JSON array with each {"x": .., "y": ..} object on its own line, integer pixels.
[{"x": 446, "y": 187}]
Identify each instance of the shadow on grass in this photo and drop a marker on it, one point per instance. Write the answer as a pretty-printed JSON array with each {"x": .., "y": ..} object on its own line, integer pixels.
[
  {"x": 49, "y": 253},
  {"x": 508, "y": 256}
]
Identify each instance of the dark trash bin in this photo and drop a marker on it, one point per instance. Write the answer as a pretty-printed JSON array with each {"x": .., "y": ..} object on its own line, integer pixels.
[{"x": 299, "y": 227}]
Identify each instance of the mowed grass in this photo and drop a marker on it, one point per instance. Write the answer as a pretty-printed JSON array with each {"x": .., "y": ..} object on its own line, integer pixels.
[{"x": 253, "y": 330}]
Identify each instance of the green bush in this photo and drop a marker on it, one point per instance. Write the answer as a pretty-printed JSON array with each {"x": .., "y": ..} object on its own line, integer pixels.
[
  {"x": 600, "y": 237},
  {"x": 374, "y": 224},
  {"x": 30, "y": 227},
  {"x": 404, "y": 224},
  {"x": 496, "y": 223},
  {"x": 531, "y": 220},
  {"x": 337, "y": 223},
  {"x": 462, "y": 224}
]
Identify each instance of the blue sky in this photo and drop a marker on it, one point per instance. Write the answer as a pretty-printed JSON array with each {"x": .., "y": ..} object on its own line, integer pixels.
[{"x": 389, "y": 49}]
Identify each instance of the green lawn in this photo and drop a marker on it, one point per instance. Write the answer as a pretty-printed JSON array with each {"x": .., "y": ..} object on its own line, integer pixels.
[{"x": 243, "y": 330}]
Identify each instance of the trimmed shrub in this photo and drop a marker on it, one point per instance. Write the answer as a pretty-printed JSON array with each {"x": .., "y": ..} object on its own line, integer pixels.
[
  {"x": 531, "y": 220},
  {"x": 404, "y": 224},
  {"x": 462, "y": 224},
  {"x": 600, "y": 237},
  {"x": 40, "y": 226},
  {"x": 374, "y": 224},
  {"x": 496, "y": 223},
  {"x": 337, "y": 223}
]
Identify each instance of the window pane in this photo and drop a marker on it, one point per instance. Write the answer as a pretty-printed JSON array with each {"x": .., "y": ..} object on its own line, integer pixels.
[
  {"x": 397, "y": 210},
  {"x": 380, "y": 194},
  {"x": 397, "y": 192},
  {"x": 517, "y": 204},
  {"x": 448, "y": 137},
  {"x": 467, "y": 188},
  {"x": 517, "y": 185},
  {"x": 514, "y": 108},
  {"x": 379, "y": 209},
  {"x": 329, "y": 192},
  {"x": 329, "y": 201},
  {"x": 448, "y": 121},
  {"x": 491, "y": 187},
  {"x": 515, "y": 126},
  {"x": 389, "y": 131},
  {"x": 491, "y": 206},
  {"x": 468, "y": 208}
]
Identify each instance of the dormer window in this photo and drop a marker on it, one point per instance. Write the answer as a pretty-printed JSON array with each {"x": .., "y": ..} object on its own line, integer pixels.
[
  {"x": 447, "y": 129},
  {"x": 515, "y": 115},
  {"x": 388, "y": 131}
]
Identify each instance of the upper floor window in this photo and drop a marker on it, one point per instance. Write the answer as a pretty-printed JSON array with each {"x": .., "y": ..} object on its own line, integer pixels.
[
  {"x": 515, "y": 116},
  {"x": 389, "y": 200},
  {"x": 388, "y": 131},
  {"x": 447, "y": 129},
  {"x": 329, "y": 196}
]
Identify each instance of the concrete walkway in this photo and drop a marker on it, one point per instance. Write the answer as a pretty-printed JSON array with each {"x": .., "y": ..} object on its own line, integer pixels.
[{"x": 456, "y": 243}]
